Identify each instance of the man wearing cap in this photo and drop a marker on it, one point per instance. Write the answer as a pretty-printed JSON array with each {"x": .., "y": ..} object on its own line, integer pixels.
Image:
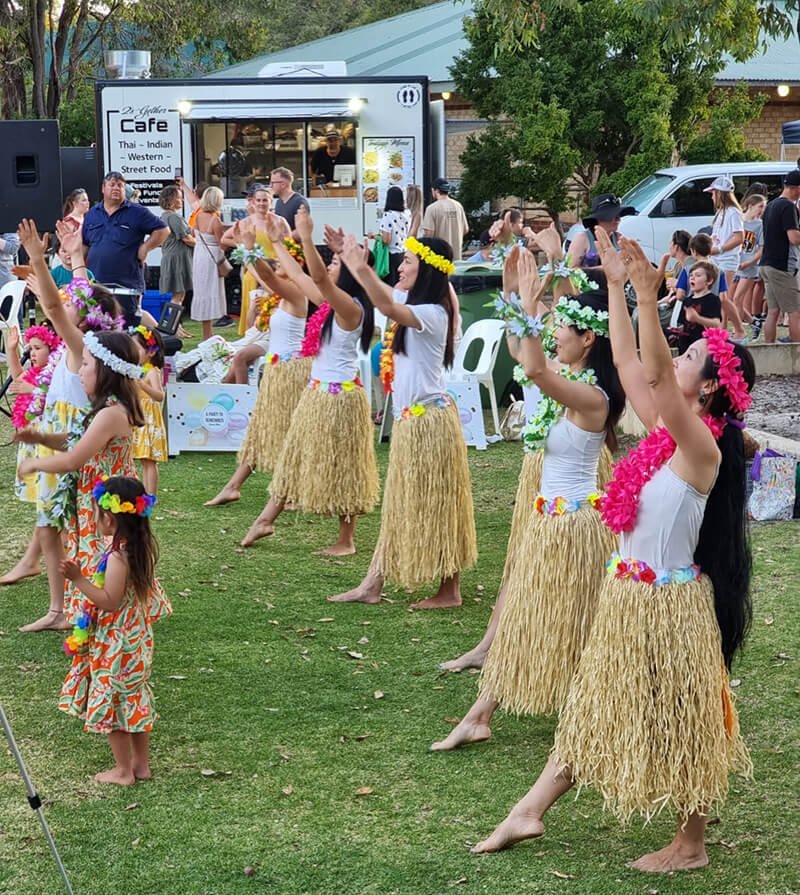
[
  {"x": 114, "y": 231},
  {"x": 780, "y": 262},
  {"x": 325, "y": 159},
  {"x": 607, "y": 211},
  {"x": 445, "y": 218}
]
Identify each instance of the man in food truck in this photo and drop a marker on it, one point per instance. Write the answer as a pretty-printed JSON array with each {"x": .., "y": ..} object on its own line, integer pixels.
[{"x": 325, "y": 159}]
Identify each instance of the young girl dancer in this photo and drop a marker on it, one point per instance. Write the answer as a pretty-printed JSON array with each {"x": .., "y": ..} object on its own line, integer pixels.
[
  {"x": 85, "y": 308},
  {"x": 427, "y": 523},
  {"x": 109, "y": 372},
  {"x": 559, "y": 561},
  {"x": 328, "y": 463},
  {"x": 108, "y": 684},
  {"x": 150, "y": 440},
  {"x": 285, "y": 373},
  {"x": 649, "y": 718}
]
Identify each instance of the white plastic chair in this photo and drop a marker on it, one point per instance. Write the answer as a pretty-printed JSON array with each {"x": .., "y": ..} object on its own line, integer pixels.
[
  {"x": 10, "y": 303},
  {"x": 490, "y": 333}
]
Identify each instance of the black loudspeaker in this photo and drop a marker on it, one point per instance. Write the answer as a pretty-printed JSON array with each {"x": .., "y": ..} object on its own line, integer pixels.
[
  {"x": 79, "y": 171},
  {"x": 30, "y": 174}
]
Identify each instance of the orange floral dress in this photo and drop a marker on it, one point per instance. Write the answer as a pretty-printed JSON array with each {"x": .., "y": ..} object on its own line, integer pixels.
[
  {"x": 108, "y": 683},
  {"x": 83, "y": 542}
]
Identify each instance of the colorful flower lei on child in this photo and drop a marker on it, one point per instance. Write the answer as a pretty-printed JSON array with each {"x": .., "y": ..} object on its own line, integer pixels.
[
  {"x": 78, "y": 641},
  {"x": 79, "y": 293},
  {"x": 387, "y": 358},
  {"x": 142, "y": 506},
  {"x": 570, "y": 312},
  {"x": 311, "y": 340},
  {"x": 35, "y": 405},
  {"x": 548, "y": 410},
  {"x": 29, "y": 407},
  {"x": 268, "y": 306},
  {"x": 428, "y": 256}
]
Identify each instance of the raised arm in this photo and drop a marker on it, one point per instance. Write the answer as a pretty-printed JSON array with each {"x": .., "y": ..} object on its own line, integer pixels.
[
  {"x": 46, "y": 290},
  {"x": 298, "y": 278},
  {"x": 12, "y": 353},
  {"x": 623, "y": 340},
  {"x": 699, "y": 454}
]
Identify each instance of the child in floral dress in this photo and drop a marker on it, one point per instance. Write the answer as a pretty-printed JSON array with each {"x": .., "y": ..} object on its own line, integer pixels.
[{"x": 150, "y": 440}]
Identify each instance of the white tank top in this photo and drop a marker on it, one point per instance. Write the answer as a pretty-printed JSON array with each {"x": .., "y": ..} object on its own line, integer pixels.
[
  {"x": 337, "y": 360},
  {"x": 667, "y": 524},
  {"x": 285, "y": 332},
  {"x": 569, "y": 467},
  {"x": 65, "y": 386}
]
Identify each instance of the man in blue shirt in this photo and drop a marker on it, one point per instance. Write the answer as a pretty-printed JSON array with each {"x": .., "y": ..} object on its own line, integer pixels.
[{"x": 114, "y": 231}]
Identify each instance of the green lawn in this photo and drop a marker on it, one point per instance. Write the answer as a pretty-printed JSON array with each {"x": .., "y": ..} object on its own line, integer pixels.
[{"x": 277, "y": 708}]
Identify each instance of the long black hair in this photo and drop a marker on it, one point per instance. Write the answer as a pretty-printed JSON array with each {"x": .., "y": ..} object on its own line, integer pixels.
[
  {"x": 723, "y": 550},
  {"x": 349, "y": 284},
  {"x": 602, "y": 362},
  {"x": 134, "y": 536},
  {"x": 431, "y": 288}
]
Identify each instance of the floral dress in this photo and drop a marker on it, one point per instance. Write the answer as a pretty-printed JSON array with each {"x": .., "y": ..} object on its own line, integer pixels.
[
  {"x": 84, "y": 543},
  {"x": 150, "y": 440},
  {"x": 108, "y": 683}
]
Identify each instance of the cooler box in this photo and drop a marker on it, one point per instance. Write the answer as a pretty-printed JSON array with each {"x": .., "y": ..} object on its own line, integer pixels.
[{"x": 153, "y": 301}]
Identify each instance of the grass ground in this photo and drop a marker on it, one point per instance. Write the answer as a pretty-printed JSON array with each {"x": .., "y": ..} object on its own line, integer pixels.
[{"x": 294, "y": 733}]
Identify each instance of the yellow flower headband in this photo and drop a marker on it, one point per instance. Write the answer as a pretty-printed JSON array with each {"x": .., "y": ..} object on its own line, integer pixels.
[{"x": 426, "y": 254}]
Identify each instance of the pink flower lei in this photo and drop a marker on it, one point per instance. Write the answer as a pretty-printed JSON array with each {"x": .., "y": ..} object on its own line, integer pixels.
[
  {"x": 311, "y": 340},
  {"x": 28, "y": 408},
  {"x": 620, "y": 504},
  {"x": 729, "y": 369}
]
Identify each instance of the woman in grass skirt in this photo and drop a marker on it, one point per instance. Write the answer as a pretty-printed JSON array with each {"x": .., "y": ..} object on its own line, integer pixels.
[
  {"x": 559, "y": 560},
  {"x": 649, "y": 719},
  {"x": 327, "y": 464},
  {"x": 285, "y": 372},
  {"x": 427, "y": 523},
  {"x": 530, "y": 475}
]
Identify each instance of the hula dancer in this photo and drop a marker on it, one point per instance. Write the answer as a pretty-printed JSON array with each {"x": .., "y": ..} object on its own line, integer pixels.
[
  {"x": 649, "y": 719},
  {"x": 328, "y": 463},
  {"x": 559, "y": 560},
  {"x": 427, "y": 523},
  {"x": 285, "y": 372}
]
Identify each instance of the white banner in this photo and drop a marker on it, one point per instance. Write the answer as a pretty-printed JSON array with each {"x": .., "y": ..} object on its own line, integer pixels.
[{"x": 210, "y": 417}]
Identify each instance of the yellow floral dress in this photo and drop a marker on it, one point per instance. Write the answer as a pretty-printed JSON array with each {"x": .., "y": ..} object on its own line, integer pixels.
[
  {"x": 150, "y": 440},
  {"x": 249, "y": 282}
]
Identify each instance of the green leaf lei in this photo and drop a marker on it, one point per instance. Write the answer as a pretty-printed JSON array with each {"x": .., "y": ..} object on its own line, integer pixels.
[{"x": 548, "y": 410}]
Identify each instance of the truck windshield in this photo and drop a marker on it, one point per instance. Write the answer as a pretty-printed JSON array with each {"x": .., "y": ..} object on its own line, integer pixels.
[{"x": 641, "y": 195}]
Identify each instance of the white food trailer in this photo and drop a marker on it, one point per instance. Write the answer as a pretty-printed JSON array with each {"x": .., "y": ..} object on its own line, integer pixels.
[{"x": 231, "y": 133}]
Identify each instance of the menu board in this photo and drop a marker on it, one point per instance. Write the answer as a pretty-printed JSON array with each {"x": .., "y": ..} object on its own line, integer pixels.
[{"x": 385, "y": 162}]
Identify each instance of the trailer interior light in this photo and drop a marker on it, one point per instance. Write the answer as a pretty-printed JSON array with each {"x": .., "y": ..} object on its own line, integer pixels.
[
  {"x": 184, "y": 107},
  {"x": 783, "y": 89},
  {"x": 355, "y": 105},
  {"x": 446, "y": 94}
]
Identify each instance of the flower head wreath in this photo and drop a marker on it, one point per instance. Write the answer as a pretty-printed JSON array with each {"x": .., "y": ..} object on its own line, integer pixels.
[
  {"x": 426, "y": 254},
  {"x": 80, "y": 294},
  {"x": 111, "y": 503},
  {"x": 150, "y": 343},
  {"x": 112, "y": 361},
  {"x": 43, "y": 334},
  {"x": 570, "y": 312},
  {"x": 729, "y": 368}
]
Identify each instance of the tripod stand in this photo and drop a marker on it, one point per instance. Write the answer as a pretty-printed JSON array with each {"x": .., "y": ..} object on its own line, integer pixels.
[{"x": 33, "y": 798}]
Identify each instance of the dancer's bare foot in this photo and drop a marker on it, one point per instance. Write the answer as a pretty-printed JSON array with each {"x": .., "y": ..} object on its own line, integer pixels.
[
  {"x": 142, "y": 773},
  {"x": 441, "y": 600},
  {"x": 366, "y": 592},
  {"x": 227, "y": 495},
  {"x": 465, "y": 732},
  {"x": 20, "y": 571},
  {"x": 118, "y": 776},
  {"x": 259, "y": 529},
  {"x": 676, "y": 856},
  {"x": 515, "y": 828},
  {"x": 473, "y": 659},
  {"x": 338, "y": 549},
  {"x": 52, "y": 620}
]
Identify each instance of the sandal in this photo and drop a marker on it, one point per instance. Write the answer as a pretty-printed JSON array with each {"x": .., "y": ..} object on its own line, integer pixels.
[{"x": 42, "y": 624}]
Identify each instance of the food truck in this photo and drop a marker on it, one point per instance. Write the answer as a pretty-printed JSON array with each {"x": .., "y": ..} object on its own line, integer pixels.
[{"x": 231, "y": 133}]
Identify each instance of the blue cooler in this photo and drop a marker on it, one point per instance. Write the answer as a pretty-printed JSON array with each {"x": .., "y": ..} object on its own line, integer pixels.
[{"x": 153, "y": 301}]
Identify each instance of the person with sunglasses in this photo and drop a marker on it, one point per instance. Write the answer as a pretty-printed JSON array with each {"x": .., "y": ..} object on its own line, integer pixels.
[{"x": 606, "y": 213}]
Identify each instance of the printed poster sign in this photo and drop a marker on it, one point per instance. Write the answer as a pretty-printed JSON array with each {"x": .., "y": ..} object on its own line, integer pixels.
[
  {"x": 208, "y": 417},
  {"x": 467, "y": 395},
  {"x": 385, "y": 162}
]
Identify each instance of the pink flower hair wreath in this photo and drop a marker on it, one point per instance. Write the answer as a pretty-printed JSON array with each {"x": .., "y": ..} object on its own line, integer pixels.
[{"x": 729, "y": 369}]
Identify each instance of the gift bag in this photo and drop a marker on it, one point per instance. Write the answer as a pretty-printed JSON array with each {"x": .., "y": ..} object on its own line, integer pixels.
[
  {"x": 513, "y": 422},
  {"x": 380, "y": 252},
  {"x": 773, "y": 494}
]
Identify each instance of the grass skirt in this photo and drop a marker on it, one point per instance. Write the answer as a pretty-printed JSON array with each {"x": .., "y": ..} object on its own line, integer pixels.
[
  {"x": 328, "y": 463},
  {"x": 551, "y": 599},
  {"x": 649, "y": 719},
  {"x": 427, "y": 524},
  {"x": 281, "y": 387}
]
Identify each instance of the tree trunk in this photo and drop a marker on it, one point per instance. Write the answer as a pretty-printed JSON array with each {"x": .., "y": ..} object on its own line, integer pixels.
[{"x": 36, "y": 43}]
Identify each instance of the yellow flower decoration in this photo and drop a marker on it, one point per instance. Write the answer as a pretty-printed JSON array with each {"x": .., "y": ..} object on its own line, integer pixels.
[
  {"x": 417, "y": 409},
  {"x": 428, "y": 256},
  {"x": 348, "y": 386}
]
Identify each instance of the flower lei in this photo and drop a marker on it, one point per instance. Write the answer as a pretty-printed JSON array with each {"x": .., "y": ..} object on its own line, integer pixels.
[
  {"x": 501, "y": 251},
  {"x": 19, "y": 413},
  {"x": 79, "y": 293},
  {"x": 142, "y": 506},
  {"x": 150, "y": 343},
  {"x": 548, "y": 410},
  {"x": 618, "y": 567},
  {"x": 511, "y": 312},
  {"x": 632, "y": 472},
  {"x": 560, "y": 505},
  {"x": 387, "y": 358},
  {"x": 294, "y": 249},
  {"x": 86, "y": 619},
  {"x": 729, "y": 369},
  {"x": 268, "y": 305},
  {"x": 564, "y": 270},
  {"x": 246, "y": 257},
  {"x": 311, "y": 340},
  {"x": 428, "y": 256},
  {"x": 34, "y": 407},
  {"x": 570, "y": 312},
  {"x": 109, "y": 359},
  {"x": 335, "y": 388}
]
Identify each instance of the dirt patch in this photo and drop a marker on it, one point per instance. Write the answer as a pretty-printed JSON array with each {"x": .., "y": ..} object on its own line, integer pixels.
[{"x": 776, "y": 406}]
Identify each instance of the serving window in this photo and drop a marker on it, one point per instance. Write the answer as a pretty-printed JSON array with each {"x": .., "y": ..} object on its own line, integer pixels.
[{"x": 321, "y": 153}]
